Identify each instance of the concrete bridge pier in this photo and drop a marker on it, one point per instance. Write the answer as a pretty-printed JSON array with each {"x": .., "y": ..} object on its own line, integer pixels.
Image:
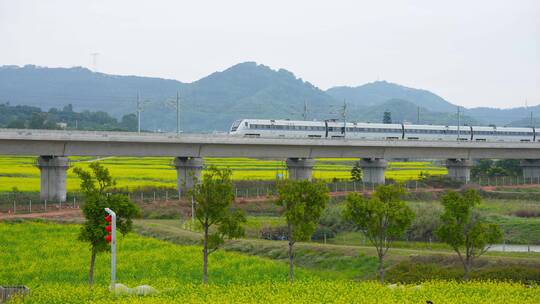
[
  {"x": 373, "y": 170},
  {"x": 53, "y": 177},
  {"x": 188, "y": 170},
  {"x": 300, "y": 168},
  {"x": 459, "y": 169},
  {"x": 531, "y": 169}
]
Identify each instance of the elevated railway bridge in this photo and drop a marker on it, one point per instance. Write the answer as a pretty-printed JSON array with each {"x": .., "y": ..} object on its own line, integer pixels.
[{"x": 53, "y": 149}]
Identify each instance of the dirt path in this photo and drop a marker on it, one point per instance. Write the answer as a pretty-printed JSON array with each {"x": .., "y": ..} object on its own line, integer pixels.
[{"x": 66, "y": 213}]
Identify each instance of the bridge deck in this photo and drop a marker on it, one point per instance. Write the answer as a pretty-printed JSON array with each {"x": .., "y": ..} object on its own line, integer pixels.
[{"x": 91, "y": 143}]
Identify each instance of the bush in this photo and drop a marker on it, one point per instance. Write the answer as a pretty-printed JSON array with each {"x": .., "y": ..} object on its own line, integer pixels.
[
  {"x": 440, "y": 181},
  {"x": 415, "y": 272},
  {"x": 332, "y": 219},
  {"x": 322, "y": 233},
  {"x": 427, "y": 220}
]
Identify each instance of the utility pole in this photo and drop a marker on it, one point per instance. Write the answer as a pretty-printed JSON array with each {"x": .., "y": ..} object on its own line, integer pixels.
[
  {"x": 139, "y": 109},
  {"x": 458, "y": 123},
  {"x": 304, "y": 115},
  {"x": 531, "y": 118},
  {"x": 344, "y": 116},
  {"x": 177, "y": 113},
  {"x": 418, "y": 115}
]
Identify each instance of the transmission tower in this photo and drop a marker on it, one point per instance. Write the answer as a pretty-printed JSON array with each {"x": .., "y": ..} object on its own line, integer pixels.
[{"x": 94, "y": 61}]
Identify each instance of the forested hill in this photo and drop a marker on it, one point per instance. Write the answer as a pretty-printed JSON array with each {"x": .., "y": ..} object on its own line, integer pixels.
[
  {"x": 29, "y": 117},
  {"x": 245, "y": 90},
  {"x": 381, "y": 91}
]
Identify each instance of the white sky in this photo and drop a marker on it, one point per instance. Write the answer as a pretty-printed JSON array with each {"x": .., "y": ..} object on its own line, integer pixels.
[{"x": 473, "y": 53}]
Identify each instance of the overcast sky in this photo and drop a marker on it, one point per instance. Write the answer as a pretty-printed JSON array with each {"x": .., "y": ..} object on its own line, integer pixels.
[{"x": 473, "y": 53}]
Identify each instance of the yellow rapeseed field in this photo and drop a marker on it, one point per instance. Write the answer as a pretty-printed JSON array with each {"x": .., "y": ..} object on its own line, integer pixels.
[
  {"x": 50, "y": 260},
  {"x": 134, "y": 172}
]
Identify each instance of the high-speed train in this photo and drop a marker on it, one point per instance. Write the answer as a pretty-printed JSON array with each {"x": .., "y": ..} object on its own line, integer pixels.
[{"x": 332, "y": 129}]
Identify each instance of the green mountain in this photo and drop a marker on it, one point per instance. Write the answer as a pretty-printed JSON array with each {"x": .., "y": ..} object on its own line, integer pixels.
[
  {"x": 86, "y": 90},
  {"x": 245, "y": 90},
  {"x": 517, "y": 117},
  {"x": 378, "y": 92},
  {"x": 408, "y": 112}
]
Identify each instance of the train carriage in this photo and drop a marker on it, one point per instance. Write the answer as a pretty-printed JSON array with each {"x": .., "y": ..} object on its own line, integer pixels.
[{"x": 333, "y": 129}]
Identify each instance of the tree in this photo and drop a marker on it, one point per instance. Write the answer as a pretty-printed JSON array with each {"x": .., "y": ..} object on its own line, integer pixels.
[
  {"x": 16, "y": 124},
  {"x": 94, "y": 185},
  {"x": 37, "y": 121},
  {"x": 68, "y": 108},
  {"x": 511, "y": 166},
  {"x": 464, "y": 230},
  {"x": 303, "y": 203},
  {"x": 502, "y": 167},
  {"x": 387, "y": 117},
  {"x": 382, "y": 218},
  {"x": 129, "y": 122},
  {"x": 214, "y": 197},
  {"x": 356, "y": 172}
]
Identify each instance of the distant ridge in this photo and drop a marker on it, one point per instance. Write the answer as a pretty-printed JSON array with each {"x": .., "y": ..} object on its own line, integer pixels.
[
  {"x": 377, "y": 92},
  {"x": 245, "y": 90}
]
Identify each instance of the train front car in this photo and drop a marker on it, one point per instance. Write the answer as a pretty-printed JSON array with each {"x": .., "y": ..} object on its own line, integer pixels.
[
  {"x": 278, "y": 128},
  {"x": 236, "y": 127}
]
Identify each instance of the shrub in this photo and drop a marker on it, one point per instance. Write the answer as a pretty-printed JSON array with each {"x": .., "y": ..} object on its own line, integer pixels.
[
  {"x": 427, "y": 220},
  {"x": 332, "y": 219},
  {"x": 322, "y": 233},
  {"x": 440, "y": 181},
  {"x": 415, "y": 272}
]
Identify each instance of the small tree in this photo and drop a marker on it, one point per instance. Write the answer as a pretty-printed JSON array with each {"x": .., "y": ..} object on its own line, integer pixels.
[
  {"x": 382, "y": 218},
  {"x": 463, "y": 229},
  {"x": 356, "y": 172},
  {"x": 214, "y": 197},
  {"x": 94, "y": 184},
  {"x": 303, "y": 203}
]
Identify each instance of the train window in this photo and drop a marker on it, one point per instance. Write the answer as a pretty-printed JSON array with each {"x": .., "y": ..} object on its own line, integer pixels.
[{"x": 246, "y": 123}]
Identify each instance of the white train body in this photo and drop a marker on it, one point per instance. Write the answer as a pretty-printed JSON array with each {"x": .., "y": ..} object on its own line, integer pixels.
[{"x": 377, "y": 131}]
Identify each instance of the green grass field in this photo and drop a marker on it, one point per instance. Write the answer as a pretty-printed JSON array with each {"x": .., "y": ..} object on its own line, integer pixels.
[
  {"x": 133, "y": 172},
  {"x": 50, "y": 260}
]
